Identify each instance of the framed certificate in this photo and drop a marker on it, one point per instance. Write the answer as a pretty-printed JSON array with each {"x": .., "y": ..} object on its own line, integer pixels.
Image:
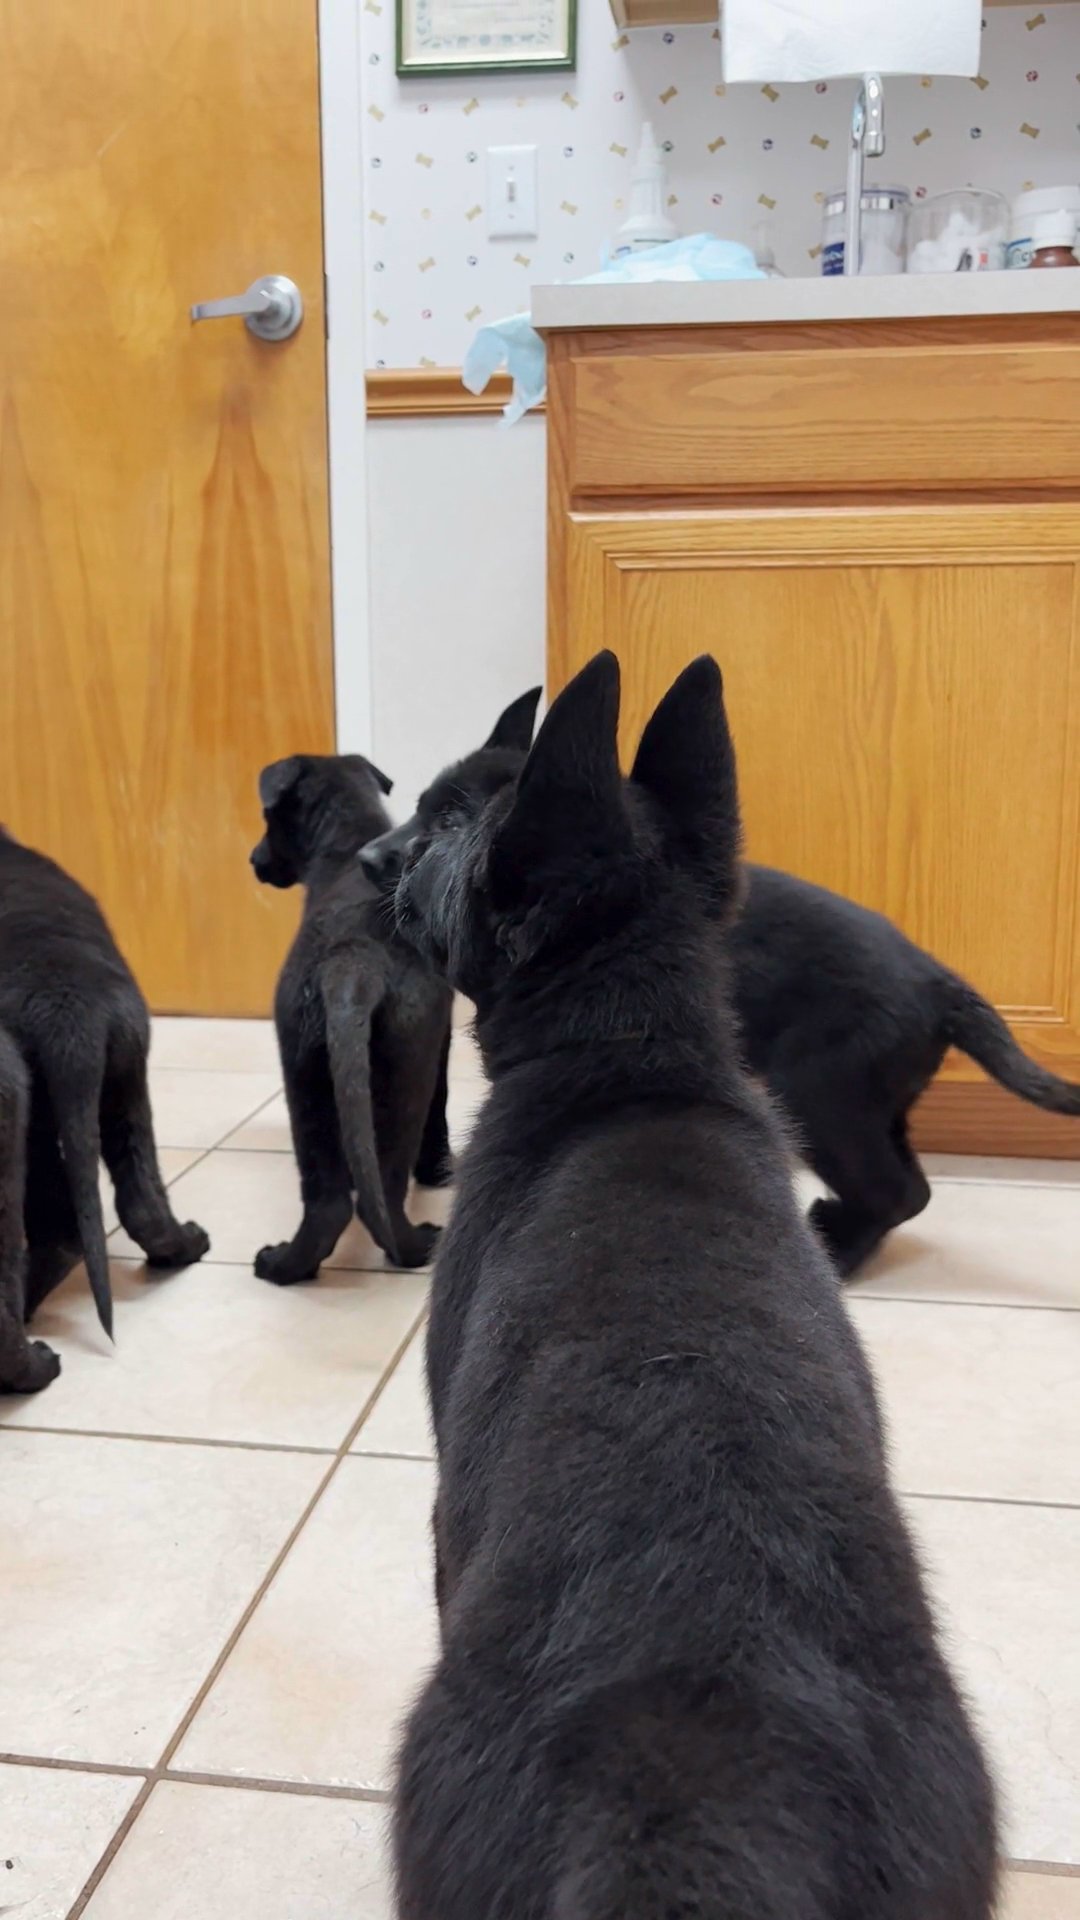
[{"x": 484, "y": 36}]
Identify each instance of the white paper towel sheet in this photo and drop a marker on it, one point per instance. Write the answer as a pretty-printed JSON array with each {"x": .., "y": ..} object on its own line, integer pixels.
[{"x": 817, "y": 39}]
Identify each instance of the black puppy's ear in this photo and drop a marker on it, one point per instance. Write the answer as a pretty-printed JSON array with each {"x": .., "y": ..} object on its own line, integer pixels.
[
  {"x": 278, "y": 779},
  {"x": 568, "y": 809},
  {"x": 382, "y": 780},
  {"x": 514, "y": 728},
  {"x": 686, "y": 761}
]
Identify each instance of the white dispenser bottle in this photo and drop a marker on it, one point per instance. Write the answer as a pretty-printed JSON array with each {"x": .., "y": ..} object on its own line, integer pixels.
[{"x": 647, "y": 224}]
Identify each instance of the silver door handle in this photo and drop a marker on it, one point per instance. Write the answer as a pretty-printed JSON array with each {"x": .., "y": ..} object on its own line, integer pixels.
[{"x": 272, "y": 307}]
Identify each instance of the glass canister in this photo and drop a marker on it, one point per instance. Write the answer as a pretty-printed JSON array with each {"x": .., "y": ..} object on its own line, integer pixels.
[
  {"x": 961, "y": 231},
  {"x": 884, "y": 214}
]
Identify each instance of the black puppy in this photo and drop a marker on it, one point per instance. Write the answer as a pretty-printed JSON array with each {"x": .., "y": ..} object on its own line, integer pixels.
[
  {"x": 25, "y": 1365},
  {"x": 687, "y": 1665},
  {"x": 848, "y": 1022},
  {"x": 363, "y": 1023},
  {"x": 459, "y": 787},
  {"x": 70, "y": 1002}
]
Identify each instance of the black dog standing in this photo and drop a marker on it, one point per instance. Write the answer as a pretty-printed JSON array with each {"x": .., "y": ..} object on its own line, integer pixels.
[
  {"x": 363, "y": 1024},
  {"x": 687, "y": 1665},
  {"x": 845, "y": 1020}
]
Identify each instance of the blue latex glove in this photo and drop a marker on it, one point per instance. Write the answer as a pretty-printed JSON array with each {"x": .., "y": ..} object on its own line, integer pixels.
[{"x": 515, "y": 343}]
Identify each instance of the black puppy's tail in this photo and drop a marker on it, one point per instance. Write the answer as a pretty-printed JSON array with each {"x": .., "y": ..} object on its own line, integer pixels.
[
  {"x": 975, "y": 1027},
  {"x": 75, "y": 1091},
  {"x": 349, "y": 1002}
]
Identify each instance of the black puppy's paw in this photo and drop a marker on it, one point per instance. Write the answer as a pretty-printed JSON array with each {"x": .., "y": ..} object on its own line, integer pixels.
[
  {"x": 38, "y": 1367},
  {"x": 181, "y": 1248},
  {"x": 436, "y": 1169},
  {"x": 417, "y": 1246},
  {"x": 829, "y": 1220},
  {"x": 279, "y": 1264}
]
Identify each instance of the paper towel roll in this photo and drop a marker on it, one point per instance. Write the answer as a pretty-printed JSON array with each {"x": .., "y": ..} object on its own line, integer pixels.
[{"x": 817, "y": 39}]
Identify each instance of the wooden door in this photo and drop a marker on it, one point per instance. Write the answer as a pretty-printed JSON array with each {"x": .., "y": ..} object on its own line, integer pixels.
[
  {"x": 904, "y": 689},
  {"x": 164, "y": 550}
]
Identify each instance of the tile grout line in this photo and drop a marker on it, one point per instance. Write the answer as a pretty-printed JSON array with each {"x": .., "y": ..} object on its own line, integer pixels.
[
  {"x": 387, "y": 1453},
  {"x": 377, "y": 1796},
  {"x": 216, "y": 1146},
  {"x": 251, "y": 1783},
  {"x": 991, "y": 1500},
  {"x": 160, "y": 1771},
  {"x": 51, "y": 1764},
  {"x": 176, "y": 1440},
  {"x": 1049, "y": 1869},
  {"x": 935, "y": 1300}
]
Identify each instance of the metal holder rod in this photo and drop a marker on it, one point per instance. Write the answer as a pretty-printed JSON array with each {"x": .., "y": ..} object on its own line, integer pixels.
[{"x": 867, "y": 137}]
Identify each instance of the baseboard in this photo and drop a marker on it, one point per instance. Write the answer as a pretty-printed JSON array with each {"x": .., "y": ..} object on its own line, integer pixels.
[{"x": 978, "y": 1117}]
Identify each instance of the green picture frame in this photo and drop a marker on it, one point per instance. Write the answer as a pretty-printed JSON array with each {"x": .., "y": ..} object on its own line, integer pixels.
[{"x": 543, "y": 40}]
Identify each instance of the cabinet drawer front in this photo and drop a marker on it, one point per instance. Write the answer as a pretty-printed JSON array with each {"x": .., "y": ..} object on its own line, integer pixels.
[{"x": 889, "y": 418}]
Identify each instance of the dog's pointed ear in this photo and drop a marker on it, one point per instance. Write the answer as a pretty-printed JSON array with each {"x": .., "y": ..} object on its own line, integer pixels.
[
  {"x": 568, "y": 804},
  {"x": 278, "y": 779},
  {"x": 686, "y": 761},
  {"x": 514, "y": 728},
  {"x": 382, "y": 780}
]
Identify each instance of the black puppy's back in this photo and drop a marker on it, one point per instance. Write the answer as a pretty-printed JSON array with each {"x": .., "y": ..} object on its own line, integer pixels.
[
  {"x": 71, "y": 1003},
  {"x": 687, "y": 1666}
]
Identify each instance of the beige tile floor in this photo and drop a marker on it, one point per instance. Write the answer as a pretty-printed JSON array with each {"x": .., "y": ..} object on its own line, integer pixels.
[{"x": 215, "y": 1591}]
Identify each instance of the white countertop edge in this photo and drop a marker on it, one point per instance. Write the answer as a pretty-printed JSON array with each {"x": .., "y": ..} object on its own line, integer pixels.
[{"x": 690, "y": 303}]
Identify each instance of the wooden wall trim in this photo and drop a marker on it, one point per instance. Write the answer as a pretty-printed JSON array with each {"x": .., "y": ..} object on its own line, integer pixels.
[
  {"x": 430, "y": 393},
  {"x": 979, "y": 1117}
]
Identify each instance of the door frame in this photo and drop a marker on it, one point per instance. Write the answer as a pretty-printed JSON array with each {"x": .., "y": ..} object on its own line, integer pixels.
[{"x": 346, "y": 367}]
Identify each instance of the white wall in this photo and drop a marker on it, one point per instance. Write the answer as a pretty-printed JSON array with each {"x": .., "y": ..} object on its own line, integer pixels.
[{"x": 456, "y": 525}]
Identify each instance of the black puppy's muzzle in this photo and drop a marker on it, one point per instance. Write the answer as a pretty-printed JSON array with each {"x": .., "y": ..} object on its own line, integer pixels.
[
  {"x": 263, "y": 862},
  {"x": 383, "y": 859}
]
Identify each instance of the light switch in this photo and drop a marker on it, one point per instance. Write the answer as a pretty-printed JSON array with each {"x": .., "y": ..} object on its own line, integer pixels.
[{"x": 511, "y": 192}]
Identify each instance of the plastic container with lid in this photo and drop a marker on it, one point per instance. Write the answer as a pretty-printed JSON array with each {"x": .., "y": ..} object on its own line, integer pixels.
[
  {"x": 1053, "y": 240},
  {"x": 884, "y": 214},
  {"x": 1025, "y": 209},
  {"x": 962, "y": 231}
]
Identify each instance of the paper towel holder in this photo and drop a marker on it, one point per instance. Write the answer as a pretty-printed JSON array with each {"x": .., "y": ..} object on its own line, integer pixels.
[{"x": 867, "y": 137}]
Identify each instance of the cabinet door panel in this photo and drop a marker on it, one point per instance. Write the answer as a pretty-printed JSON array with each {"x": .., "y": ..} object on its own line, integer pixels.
[{"x": 904, "y": 689}]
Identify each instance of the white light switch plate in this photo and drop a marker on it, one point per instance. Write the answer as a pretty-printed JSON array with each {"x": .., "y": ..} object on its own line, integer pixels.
[{"x": 511, "y": 192}]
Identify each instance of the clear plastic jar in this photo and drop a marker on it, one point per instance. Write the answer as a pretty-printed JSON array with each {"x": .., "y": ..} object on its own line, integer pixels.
[
  {"x": 884, "y": 213},
  {"x": 956, "y": 232}
]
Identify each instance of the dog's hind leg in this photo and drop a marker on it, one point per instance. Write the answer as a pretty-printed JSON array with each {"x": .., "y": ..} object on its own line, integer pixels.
[
  {"x": 325, "y": 1185},
  {"x": 405, "y": 1062},
  {"x": 350, "y": 1001},
  {"x": 127, "y": 1141},
  {"x": 74, "y": 1069},
  {"x": 434, "y": 1165},
  {"x": 860, "y": 1149},
  {"x": 53, "y": 1247},
  {"x": 25, "y": 1365},
  {"x": 877, "y": 1184}
]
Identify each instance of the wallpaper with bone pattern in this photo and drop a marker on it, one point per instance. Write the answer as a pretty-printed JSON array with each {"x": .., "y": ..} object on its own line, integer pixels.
[{"x": 735, "y": 156}]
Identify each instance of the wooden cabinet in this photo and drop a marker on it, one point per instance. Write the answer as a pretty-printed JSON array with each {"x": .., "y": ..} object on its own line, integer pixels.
[{"x": 876, "y": 529}]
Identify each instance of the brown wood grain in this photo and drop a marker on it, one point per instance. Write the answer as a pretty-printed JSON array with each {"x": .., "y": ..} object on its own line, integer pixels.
[
  {"x": 723, "y": 420},
  {"x": 432, "y": 392},
  {"x": 976, "y": 1116},
  {"x": 164, "y": 556},
  {"x": 904, "y": 686}
]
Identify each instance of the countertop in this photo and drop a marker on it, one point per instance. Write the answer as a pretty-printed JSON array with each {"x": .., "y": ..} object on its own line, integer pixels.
[{"x": 689, "y": 303}]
